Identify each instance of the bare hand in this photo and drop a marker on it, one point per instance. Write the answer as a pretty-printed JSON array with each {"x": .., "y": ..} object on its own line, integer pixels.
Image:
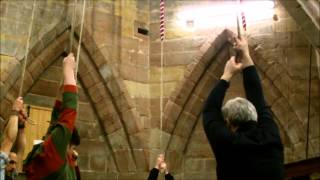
[
  {"x": 18, "y": 104},
  {"x": 160, "y": 159},
  {"x": 242, "y": 45},
  {"x": 231, "y": 68},
  {"x": 68, "y": 70},
  {"x": 23, "y": 117},
  {"x": 163, "y": 166},
  {"x": 69, "y": 62}
]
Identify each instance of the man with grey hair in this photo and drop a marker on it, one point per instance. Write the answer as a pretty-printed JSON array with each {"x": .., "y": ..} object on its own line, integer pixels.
[{"x": 244, "y": 138}]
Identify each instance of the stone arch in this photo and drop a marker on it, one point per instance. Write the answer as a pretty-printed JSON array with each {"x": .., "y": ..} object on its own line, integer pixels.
[
  {"x": 113, "y": 105},
  {"x": 118, "y": 118},
  {"x": 38, "y": 61},
  {"x": 183, "y": 108}
]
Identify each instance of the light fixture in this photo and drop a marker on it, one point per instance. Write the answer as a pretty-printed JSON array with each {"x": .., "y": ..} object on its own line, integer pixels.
[{"x": 223, "y": 14}]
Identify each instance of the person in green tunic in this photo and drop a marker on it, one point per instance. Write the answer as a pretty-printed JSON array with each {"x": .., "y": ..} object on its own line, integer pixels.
[{"x": 54, "y": 158}]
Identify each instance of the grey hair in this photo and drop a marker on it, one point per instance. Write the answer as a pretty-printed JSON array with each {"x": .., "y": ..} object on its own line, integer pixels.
[{"x": 239, "y": 110}]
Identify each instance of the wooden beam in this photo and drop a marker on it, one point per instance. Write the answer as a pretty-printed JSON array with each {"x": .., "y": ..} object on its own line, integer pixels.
[{"x": 302, "y": 168}]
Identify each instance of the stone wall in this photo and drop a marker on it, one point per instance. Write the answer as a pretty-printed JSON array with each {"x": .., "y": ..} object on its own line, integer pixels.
[{"x": 119, "y": 80}]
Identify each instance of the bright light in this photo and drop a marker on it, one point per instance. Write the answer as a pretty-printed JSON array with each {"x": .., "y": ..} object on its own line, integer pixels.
[{"x": 224, "y": 13}]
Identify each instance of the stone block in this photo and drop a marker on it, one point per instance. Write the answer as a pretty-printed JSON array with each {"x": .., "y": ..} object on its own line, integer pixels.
[
  {"x": 301, "y": 86},
  {"x": 283, "y": 83},
  {"x": 172, "y": 112},
  {"x": 98, "y": 163},
  {"x": 172, "y": 59},
  {"x": 86, "y": 112},
  {"x": 98, "y": 148},
  {"x": 98, "y": 57},
  {"x": 83, "y": 128},
  {"x": 194, "y": 105},
  {"x": 140, "y": 140},
  {"x": 37, "y": 47},
  {"x": 271, "y": 94},
  {"x": 168, "y": 88},
  {"x": 61, "y": 27},
  {"x": 103, "y": 21},
  {"x": 216, "y": 70},
  {"x": 27, "y": 82},
  {"x": 298, "y": 66},
  {"x": 202, "y": 176},
  {"x": 274, "y": 71},
  {"x": 83, "y": 162},
  {"x": 111, "y": 166},
  {"x": 5, "y": 107},
  {"x": 299, "y": 151},
  {"x": 14, "y": 69},
  {"x": 45, "y": 88},
  {"x": 97, "y": 92},
  {"x": 48, "y": 36},
  {"x": 125, "y": 161},
  {"x": 35, "y": 69},
  {"x": 288, "y": 158},
  {"x": 176, "y": 45},
  {"x": 182, "y": 92},
  {"x": 315, "y": 146},
  {"x": 87, "y": 80},
  {"x": 194, "y": 71},
  {"x": 53, "y": 73},
  {"x": 210, "y": 50},
  {"x": 280, "y": 108},
  {"x": 154, "y": 139},
  {"x": 99, "y": 175},
  {"x": 51, "y": 53},
  {"x": 118, "y": 140},
  {"x": 129, "y": 43},
  {"x": 134, "y": 73},
  {"x": 185, "y": 125},
  {"x": 299, "y": 39},
  {"x": 204, "y": 151},
  {"x": 142, "y": 106},
  {"x": 297, "y": 133},
  {"x": 104, "y": 107},
  {"x": 112, "y": 52},
  {"x": 111, "y": 123},
  {"x": 124, "y": 102},
  {"x": 174, "y": 160},
  {"x": 133, "y": 123},
  {"x": 39, "y": 100},
  {"x": 194, "y": 165},
  {"x": 105, "y": 71},
  {"x": 314, "y": 126},
  {"x": 177, "y": 143},
  {"x": 135, "y": 175},
  {"x": 174, "y": 73},
  {"x": 140, "y": 56},
  {"x": 198, "y": 145},
  {"x": 115, "y": 87},
  {"x": 3, "y": 90},
  {"x": 82, "y": 96},
  {"x": 210, "y": 165},
  {"x": 142, "y": 157}
]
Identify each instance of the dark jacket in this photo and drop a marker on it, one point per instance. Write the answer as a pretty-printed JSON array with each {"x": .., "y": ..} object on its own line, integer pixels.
[
  {"x": 255, "y": 150},
  {"x": 154, "y": 175}
]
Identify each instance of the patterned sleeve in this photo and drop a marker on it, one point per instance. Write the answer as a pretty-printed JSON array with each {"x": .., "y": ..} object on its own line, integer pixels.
[{"x": 62, "y": 131}]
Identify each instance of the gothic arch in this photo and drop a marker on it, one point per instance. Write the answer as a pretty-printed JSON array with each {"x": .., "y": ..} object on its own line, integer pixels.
[
  {"x": 184, "y": 106},
  {"x": 117, "y": 115}
]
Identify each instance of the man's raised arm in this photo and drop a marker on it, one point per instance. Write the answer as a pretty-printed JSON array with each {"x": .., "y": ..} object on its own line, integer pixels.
[
  {"x": 251, "y": 80},
  {"x": 11, "y": 129}
]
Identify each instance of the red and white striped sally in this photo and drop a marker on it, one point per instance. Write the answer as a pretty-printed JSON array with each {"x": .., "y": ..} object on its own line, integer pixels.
[{"x": 162, "y": 28}]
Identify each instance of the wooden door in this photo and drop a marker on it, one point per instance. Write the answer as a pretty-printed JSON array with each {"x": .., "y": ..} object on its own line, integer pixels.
[{"x": 41, "y": 117}]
